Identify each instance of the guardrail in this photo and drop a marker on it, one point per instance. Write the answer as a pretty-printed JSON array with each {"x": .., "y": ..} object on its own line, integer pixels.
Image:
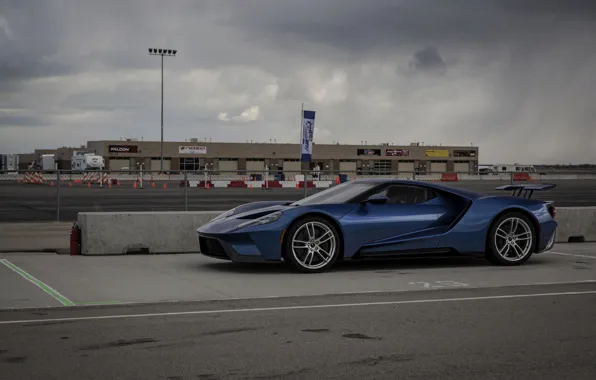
[
  {"x": 98, "y": 177},
  {"x": 134, "y": 232},
  {"x": 61, "y": 194}
]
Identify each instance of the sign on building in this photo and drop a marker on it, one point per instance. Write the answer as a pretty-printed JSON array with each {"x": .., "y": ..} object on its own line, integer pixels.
[
  {"x": 464, "y": 153},
  {"x": 192, "y": 149},
  {"x": 123, "y": 148},
  {"x": 397, "y": 152},
  {"x": 437, "y": 153},
  {"x": 368, "y": 152}
]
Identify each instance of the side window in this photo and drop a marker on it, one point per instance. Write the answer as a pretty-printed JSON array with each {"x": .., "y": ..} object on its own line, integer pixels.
[{"x": 401, "y": 194}]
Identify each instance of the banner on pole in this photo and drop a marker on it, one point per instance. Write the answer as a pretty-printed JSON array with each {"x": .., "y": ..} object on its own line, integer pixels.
[{"x": 308, "y": 131}]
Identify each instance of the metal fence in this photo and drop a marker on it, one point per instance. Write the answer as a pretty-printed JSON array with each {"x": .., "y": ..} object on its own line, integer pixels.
[{"x": 60, "y": 195}]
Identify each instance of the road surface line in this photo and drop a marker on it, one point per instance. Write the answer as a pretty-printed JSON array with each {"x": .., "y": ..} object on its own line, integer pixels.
[
  {"x": 99, "y": 303},
  {"x": 43, "y": 286},
  {"x": 282, "y": 308},
  {"x": 573, "y": 254}
]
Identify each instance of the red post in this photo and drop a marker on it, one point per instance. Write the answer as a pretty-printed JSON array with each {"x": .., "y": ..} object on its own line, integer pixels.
[{"x": 75, "y": 239}]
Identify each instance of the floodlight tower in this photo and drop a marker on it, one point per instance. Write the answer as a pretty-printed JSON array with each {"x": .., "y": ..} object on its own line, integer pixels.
[{"x": 162, "y": 53}]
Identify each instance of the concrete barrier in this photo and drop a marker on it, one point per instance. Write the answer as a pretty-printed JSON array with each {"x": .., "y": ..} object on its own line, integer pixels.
[
  {"x": 113, "y": 233},
  {"x": 576, "y": 224}
]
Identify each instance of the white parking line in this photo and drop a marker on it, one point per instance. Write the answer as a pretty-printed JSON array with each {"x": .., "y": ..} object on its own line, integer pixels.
[
  {"x": 282, "y": 308},
  {"x": 572, "y": 254}
]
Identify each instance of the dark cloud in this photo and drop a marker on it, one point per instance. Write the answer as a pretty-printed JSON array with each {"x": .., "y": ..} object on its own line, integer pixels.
[
  {"x": 383, "y": 24},
  {"x": 16, "y": 69},
  {"x": 517, "y": 77},
  {"x": 7, "y": 120},
  {"x": 427, "y": 59}
]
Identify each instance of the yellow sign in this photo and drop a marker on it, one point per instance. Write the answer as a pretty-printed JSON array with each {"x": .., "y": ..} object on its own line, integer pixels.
[{"x": 437, "y": 153}]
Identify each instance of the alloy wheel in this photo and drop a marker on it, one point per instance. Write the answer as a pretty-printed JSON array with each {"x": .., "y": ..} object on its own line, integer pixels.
[
  {"x": 314, "y": 245},
  {"x": 513, "y": 239}
]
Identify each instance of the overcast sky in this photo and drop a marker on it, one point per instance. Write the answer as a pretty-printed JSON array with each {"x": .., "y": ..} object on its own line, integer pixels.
[{"x": 516, "y": 78}]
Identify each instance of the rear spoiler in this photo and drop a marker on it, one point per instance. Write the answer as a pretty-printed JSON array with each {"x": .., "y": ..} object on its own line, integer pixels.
[{"x": 527, "y": 189}]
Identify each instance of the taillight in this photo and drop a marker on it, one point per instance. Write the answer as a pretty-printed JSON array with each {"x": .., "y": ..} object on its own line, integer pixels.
[{"x": 552, "y": 211}]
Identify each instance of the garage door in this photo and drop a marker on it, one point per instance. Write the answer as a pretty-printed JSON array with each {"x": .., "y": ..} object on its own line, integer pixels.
[
  {"x": 255, "y": 166},
  {"x": 347, "y": 167},
  {"x": 461, "y": 167},
  {"x": 405, "y": 167},
  {"x": 228, "y": 166},
  {"x": 438, "y": 167},
  {"x": 156, "y": 165},
  {"x": 119, "y": 164}
]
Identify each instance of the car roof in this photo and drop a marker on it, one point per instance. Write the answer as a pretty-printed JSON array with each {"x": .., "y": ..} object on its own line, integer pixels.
[{"x": 433, "y": 185}]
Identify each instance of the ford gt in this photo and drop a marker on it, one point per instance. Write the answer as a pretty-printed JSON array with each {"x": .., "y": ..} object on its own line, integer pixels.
[{"x": 378, "y": 218}]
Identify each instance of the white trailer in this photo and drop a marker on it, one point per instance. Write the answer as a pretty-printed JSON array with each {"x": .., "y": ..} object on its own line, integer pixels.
[
  {"x": 9, "y": 163},
  {"x": 48, "y": 162},
  {"x": 87, "y": 162},
  {"x": 506, "y": 168}
]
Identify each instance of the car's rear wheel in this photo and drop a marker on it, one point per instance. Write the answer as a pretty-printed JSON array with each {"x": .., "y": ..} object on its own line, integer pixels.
[
  {"x": 511, "y": 239},
  {"x": 312, "y": 245}
]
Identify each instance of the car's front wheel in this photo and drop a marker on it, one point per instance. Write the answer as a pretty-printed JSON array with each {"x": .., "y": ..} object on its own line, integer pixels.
[
  {"x": 312, "y": 245},
  {"x": 511, "y": 239}
]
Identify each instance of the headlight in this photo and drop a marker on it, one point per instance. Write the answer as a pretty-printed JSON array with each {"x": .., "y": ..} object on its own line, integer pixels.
[
  {"x": 270, "y": 218},
  {"x": 224, "y": 215}
]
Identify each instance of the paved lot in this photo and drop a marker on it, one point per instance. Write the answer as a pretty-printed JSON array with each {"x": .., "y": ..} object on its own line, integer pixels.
[
  {"x": 411, "y": 318},
  {"x": 188, "y": 277},
  {"x": 25, "y": 203},
  {"x": 35, "y": 237}
]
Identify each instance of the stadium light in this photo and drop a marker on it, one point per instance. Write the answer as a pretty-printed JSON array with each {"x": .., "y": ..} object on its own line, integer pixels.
[{"x": 162, "y": 53}]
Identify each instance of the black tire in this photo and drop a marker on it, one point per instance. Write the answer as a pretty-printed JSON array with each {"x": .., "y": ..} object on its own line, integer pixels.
[
  {"x": 524, "y": 223},
  {"x": 291, "y": 259}
]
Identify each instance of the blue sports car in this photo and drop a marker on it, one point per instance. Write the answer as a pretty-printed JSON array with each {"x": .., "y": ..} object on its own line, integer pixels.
[{"x": 363, "y": 219}]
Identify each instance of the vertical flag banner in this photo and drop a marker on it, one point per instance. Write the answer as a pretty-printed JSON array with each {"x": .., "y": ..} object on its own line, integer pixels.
[{"x": 308, "y": 131}]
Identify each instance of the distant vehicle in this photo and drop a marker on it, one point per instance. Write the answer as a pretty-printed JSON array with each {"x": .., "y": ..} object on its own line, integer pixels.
[
  {"x": 376, "y": 218},
  {"x": 9, "y": 163},
  {"x": 48, "y": 162},
  {"x": 485, "y": 169},
  {"x": 513, "y": 168},
  {"x": 87, "y": 162}
]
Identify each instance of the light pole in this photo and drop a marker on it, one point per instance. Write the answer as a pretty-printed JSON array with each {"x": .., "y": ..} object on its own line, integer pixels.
[{"x": 162, "y": 53}]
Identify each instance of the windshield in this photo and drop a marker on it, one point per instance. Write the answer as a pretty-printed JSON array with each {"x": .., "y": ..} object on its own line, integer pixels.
[{"x": 336, "y": 194}]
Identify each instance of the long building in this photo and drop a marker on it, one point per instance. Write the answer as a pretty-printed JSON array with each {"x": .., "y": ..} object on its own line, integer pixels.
[{"x": 193, "y": 156}]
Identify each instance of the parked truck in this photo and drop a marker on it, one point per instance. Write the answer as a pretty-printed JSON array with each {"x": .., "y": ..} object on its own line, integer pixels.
[
  {"x": 48, "y": 162},
  {"x": 9, "y": 163},
  {"x": 86, "y": 162}
]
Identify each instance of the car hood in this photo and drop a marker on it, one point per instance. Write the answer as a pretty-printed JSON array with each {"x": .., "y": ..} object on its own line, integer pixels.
[
  {"x": 258, "y": 212},
  {"x": 230, "y": 222}
]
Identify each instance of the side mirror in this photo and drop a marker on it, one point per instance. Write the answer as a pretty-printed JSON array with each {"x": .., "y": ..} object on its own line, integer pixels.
[{"x": 377, "y": 199}]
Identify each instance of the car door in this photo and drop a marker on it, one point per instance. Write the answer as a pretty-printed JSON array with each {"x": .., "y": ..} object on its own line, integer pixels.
[{"x": 409, "y": 209}]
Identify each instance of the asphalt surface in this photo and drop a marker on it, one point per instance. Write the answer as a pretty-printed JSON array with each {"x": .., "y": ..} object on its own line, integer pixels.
[
  {"x": 513, "y": 333},
  {"x": 25, "y": 203},
  {"x": 191, "y": 317},
  {"x": 81, "y": 280}
]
